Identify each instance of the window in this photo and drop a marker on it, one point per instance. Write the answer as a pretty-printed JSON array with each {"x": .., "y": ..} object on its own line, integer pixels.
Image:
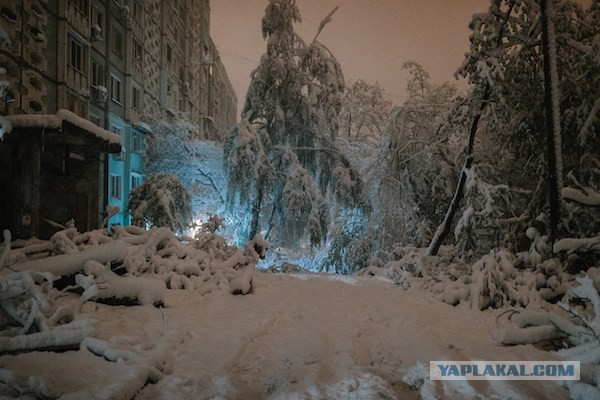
[
  {"x": 115, "y": 186},
  {"x": 97, "y": 17},
  {"x": 136, "y": 141},
  {"x": 117, "y": 42},
  {"x": 115, "y": 89},
  {"x": 137, "y": 54},
  {"x": 97, "y": 74},
  {"x": 169, "y": 56},
  {"x": 97, "y": 23},
  {"x": 35, "y": 106},
  {"x": 137, "y": 11},
  {"x": 136, "y": 180},
  {"x": 76, "y": 53},
  {"x": 81, "y": 5},
  {"x": 117, "y": 130},
  {"x": 135, "y": 97}
]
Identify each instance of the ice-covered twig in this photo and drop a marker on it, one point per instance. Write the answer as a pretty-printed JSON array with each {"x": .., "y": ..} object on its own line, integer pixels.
[
  {"x": 66, "y": 337},
  {"x": 532, "y": 334},
  {"x": 572, "y": 245},
  {"x": 588, "y": 197},
  {"x": 587, "y": 290},
  {"x": 71, "y": 264}
]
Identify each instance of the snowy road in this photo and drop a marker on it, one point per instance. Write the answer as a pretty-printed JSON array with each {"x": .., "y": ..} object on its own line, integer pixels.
[{"x": 295, "y": 337}]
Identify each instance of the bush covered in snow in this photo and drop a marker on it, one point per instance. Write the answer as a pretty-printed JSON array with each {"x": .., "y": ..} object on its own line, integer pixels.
[{"x": 161, "y": 200}]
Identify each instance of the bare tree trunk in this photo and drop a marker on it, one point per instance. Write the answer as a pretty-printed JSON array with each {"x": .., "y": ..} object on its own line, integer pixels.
[
  {"x": 256, "y": 208},
  {"x": 551, "y": 101},
  {"x": 444, "y": 228}
]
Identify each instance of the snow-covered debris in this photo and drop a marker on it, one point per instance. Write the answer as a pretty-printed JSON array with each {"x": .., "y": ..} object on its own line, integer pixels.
[
  {"x": 492, "y": 281},
  {"x": 272, "y": 344},
  {"x": 161, "y": 200},
  {"x": 416, "y": 376},
  {"x": 30, "y": 320},
  {"x": 242, "y": 282},
  {"x": 571, "y": 245},
  {"x": 587, "y": 196},
  {"x": 101, "y": 284},
  {"x": 71, "y": 264}
]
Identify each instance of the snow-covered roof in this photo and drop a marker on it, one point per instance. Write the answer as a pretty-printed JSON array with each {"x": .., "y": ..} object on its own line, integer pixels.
[
  {"x": 56, "y": 121},
  {"x": 142, "y": 126}
]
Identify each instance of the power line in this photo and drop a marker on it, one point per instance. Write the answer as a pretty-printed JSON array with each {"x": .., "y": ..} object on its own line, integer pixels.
[
  {"x": 354, "y": 42},
  {"x": 230, "y": 53}
]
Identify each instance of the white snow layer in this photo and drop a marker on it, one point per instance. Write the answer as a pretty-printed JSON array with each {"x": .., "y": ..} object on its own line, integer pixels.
[
  {"x": 56, "y": 120},
  {"x": 287, "y": 338}
]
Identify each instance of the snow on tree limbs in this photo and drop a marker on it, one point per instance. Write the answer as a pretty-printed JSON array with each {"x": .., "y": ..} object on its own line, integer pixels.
[
  {"x": 282, "y": 165},
  {"x": 505, "y": 56},
  {"x": 161, "y": 200}
]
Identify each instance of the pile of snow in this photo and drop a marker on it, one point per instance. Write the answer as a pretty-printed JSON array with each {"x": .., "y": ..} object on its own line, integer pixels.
[
  {"x": 497, "y": 279},
  {"x": 541, "y": 302},
  {"x": 295, "y": 335},
  {"x": 92, "y": 264}
]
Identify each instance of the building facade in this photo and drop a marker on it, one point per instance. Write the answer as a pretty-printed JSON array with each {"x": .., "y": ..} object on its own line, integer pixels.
[{"x": 121, "y": 64}]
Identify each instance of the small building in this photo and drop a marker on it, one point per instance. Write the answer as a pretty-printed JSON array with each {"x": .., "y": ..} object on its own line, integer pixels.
[
  {"x": 122, "y": 65},
  {"x": 52, "y": 171}
]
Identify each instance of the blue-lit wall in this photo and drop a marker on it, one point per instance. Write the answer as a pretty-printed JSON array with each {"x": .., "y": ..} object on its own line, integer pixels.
[{"x": 125, "y": 170}]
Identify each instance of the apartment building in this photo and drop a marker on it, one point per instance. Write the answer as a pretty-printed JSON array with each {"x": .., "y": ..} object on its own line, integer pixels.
[{"x": 121, "y": 64}]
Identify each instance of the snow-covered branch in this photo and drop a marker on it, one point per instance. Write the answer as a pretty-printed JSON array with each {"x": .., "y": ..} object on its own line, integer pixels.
[{"x": 587, "y": 197}]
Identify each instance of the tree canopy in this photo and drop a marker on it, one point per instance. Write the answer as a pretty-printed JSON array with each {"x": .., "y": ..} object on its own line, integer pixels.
[
  {"x": 282, "y": 162},
  {"x": 505, "y": 107}
]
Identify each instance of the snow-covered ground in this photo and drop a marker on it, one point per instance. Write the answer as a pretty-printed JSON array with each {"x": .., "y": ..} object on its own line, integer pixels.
[{"x": 296, "y": 336}]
